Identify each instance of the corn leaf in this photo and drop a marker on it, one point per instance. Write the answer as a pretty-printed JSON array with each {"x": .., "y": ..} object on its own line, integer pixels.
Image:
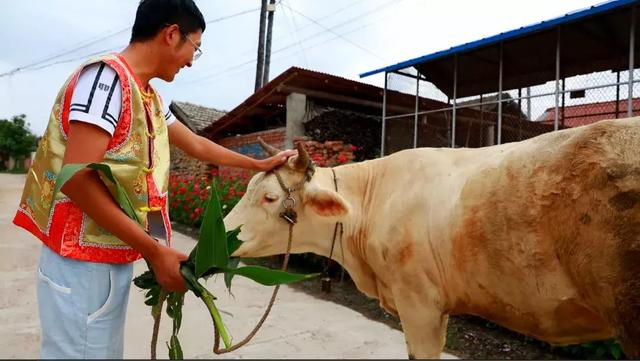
[
  {"x": 228, "y": 276},
  {"x": 233, "y": 243},
  {"x": 267, "y": 276},
  {"x": 212, "y": 243},
  {"x": 175, "y": 350},
  {"x": 191, "y": 280},
  {"x": 69, "y": 170}
]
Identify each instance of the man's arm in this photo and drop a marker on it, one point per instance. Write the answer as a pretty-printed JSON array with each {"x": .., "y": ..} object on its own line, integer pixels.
[
  {"x": 87, "y": 143},
  {"x": 205, "y": 150}
]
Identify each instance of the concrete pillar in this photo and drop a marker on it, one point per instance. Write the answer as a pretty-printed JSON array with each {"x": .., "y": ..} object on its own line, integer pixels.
[
  {"x": 489, "y": 136},
  {"x": 296, "y": 116}
]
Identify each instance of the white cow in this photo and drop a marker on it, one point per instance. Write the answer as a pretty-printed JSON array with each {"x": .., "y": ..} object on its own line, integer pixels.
[{"x": 540, "y": 236}]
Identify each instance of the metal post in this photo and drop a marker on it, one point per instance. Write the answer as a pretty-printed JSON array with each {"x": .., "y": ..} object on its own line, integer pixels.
[
  {"x": 455, "y": 100},
  {"x": 384, "y": 112},
  {"x": 519, "y": 110},
  {"x": 617, "y": 93},
  {"x": 500, "y": 97},
  {"x": 415, "y": 119},
  {"x": 529, "y": 103},
  {"x": 562, "y": 107},
  {"x": 632, "y": 40},
  {"x": 555, "y": 120}
]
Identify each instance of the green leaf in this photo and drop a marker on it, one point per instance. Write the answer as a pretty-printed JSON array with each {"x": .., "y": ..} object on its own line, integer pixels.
[
  {"x": 233, "y": 243},
  {"x": 228, "y": 276},
  {"x": 175, "y": 350},
  {"x": 190, "y": 279},
  {"x": 69, "y": 170},
  {"x": 174, "y": 309},
  {"x": 212, "y": 244},
  {"x": 269, "y": 277}
]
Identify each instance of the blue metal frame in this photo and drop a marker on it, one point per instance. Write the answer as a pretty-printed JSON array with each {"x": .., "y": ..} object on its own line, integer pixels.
[{"x": 544, "y": 25}]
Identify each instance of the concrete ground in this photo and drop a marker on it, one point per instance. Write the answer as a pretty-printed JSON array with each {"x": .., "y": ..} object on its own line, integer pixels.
[{"x": 299, "y": 326}]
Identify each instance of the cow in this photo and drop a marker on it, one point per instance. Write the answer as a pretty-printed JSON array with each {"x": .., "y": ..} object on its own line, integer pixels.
[{"x": 541, "y": 236}]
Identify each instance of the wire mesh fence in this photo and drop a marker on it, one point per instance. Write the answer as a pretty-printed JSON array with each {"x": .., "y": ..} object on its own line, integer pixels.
[{"x": 417, "y": 114}]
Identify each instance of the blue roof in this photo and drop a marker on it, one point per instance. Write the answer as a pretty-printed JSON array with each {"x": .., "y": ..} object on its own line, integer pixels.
[{"x": 576, "y": 15}]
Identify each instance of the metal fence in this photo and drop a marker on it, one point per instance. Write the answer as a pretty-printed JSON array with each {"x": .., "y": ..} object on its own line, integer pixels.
[{"x": 417, "y": 114}]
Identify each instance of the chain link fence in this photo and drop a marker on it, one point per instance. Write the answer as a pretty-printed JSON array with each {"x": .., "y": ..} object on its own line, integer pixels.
[{"x": 417, "y": 114}]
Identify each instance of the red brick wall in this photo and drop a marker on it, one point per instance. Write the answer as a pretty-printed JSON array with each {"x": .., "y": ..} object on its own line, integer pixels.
[
  {"x": 274, "y": 137},
  {"x": 184, "y": 166},
  {"x": 248, "y": 145}
]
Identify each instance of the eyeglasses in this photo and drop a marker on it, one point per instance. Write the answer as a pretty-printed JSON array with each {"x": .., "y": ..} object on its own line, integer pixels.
[{"x": 198, "y": 51}]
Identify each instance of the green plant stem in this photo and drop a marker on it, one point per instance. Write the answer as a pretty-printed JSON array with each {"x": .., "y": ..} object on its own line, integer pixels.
[
  {"x": 156, "y": 312},
  {"x": 215, "y": 316}
]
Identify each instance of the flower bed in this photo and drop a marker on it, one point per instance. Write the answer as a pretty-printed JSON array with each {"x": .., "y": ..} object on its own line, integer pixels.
[{"x": 188, "y": 194}]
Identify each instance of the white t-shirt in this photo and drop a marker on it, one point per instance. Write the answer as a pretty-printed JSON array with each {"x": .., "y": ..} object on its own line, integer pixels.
[{"x": 97, "y": 98}]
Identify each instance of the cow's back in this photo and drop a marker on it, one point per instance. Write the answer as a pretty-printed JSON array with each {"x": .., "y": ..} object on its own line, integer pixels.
[{"x": 547, "y": 231}]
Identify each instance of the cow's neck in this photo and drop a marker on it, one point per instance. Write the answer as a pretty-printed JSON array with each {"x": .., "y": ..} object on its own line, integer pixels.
[{"x": 357, "y": 188}]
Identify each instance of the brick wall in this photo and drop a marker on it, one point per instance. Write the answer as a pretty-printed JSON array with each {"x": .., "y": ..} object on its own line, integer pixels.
[
  {"x": 183, "y": 165},
  {"x": 248, "y": 145}
]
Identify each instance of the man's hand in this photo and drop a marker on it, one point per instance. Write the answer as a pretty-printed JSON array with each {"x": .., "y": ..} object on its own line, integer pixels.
[
  {"x": 275, "y": 161},
  {"x": 165, "y": 262}
]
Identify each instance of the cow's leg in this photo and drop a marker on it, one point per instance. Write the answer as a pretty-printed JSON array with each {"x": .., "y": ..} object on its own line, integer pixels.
[
  {"x": 628, "y": 325},
  {"x": 424, "y": 324}
]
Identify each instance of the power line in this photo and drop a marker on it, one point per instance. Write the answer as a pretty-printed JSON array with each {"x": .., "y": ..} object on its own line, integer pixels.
[
  {"x": 293, "y": 44},
  {"x": 62, "y": 53},
  {"x": 232, "y": 15},
  {"x": 297, "y": 37},
  {"x": 333, "y": 32},
  {"x": 228, "y": 72},
  {"x": 37, "y": 65},
  {"x": 321, "y": 18}
]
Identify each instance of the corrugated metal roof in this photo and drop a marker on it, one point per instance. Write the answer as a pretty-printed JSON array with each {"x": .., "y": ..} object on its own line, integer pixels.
[{"x": 522, "y": 31}]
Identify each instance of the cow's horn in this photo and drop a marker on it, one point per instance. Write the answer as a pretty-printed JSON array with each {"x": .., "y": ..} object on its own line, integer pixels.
[
  {"x": 271, "y": 150},
  {"x": 302, "y": 160}
]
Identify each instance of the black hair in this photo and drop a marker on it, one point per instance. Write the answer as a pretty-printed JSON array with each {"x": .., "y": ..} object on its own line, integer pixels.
[{"x": 153, "y": 15}]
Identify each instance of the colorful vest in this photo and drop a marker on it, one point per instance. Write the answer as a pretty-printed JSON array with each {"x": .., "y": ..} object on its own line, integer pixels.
[{"x": 138, "y": 155}]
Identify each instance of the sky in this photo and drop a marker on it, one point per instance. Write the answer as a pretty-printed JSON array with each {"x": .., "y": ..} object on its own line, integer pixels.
[{"x": 47, "y": 39}]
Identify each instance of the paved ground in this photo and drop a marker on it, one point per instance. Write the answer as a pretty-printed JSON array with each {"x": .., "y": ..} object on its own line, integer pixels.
[{"x": 300, "y": 326}]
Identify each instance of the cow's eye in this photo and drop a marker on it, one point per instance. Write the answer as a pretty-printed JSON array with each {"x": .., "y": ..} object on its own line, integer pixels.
[{"x": 269, "y": 197}]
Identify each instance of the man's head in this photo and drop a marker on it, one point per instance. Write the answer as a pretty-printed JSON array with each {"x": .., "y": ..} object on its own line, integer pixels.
[{"x": 175, "y": 27}]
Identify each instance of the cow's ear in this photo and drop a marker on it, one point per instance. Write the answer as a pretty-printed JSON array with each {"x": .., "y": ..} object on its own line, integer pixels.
[{"x": 325, "y": 202}]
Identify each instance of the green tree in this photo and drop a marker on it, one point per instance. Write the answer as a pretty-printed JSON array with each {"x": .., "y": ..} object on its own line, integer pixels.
[{"x": 16, "y": 139}]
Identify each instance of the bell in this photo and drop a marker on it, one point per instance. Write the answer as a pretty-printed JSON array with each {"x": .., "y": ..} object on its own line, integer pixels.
[{"x": 326, "y": 284}]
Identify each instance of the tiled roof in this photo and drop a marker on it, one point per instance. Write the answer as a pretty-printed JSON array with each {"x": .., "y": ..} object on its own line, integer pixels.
[
  {"x": 583, "y": 114},
  {"x": 196, "y": 117}
]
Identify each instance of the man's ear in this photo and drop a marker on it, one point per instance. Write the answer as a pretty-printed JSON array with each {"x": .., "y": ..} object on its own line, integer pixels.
[{"x": 326, "y": 203}]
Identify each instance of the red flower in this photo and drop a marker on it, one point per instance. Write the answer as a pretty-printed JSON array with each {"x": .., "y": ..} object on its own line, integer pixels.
[
  {"x": 343, "y": 158},
  {"x": 197, "y": 210},
  {"x": 182, "y": 190},
  {"x": 353, "y": 148}
]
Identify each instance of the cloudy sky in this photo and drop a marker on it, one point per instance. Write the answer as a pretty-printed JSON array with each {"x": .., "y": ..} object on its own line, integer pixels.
[{"x": 47, "y": 39}]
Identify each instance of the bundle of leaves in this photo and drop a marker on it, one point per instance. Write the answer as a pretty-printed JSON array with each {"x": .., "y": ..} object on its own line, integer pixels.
[{"x": 210, "y": 256}]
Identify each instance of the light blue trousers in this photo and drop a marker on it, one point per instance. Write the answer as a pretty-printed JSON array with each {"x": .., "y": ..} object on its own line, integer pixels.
[{"x": 82, "y": 307}]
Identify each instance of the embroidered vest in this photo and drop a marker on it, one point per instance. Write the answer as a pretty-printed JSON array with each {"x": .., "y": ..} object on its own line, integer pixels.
[{"x": 138, "y": 155}]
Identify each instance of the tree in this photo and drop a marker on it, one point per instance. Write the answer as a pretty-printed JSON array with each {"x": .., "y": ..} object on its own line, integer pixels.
[{"x": 16, "y": 140}]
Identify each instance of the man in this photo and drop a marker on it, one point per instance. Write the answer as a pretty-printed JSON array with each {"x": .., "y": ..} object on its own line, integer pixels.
[{"x": 107, "y": 112}]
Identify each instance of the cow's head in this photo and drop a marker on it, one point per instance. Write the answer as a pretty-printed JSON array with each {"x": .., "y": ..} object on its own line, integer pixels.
[{"x": 317, "y": 205}]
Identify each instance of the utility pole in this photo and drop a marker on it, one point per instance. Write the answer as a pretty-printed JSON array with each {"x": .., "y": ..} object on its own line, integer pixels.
[
  {"x": 267, "y": 56},
  {"x": 260, "y": 60}
]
